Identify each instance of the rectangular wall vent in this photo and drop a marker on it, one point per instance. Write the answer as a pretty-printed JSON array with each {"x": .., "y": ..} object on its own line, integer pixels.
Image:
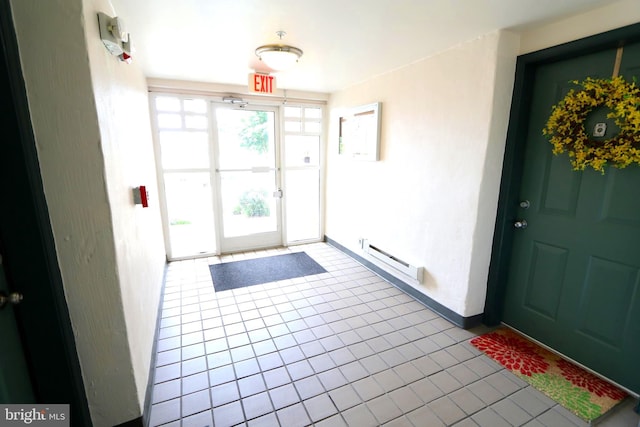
[{"x": 394, "y": 265}]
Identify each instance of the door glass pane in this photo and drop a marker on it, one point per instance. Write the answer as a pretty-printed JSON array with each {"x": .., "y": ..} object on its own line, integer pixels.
[
  {"x": 301, "y": 150},
  {"x": 190, "y": 213},
  {"x": 292, "y": 112},
  {"x": 195, "y": 122},
  {"x": 245, "y": 138},
  {"x": 312, "y": 127},
  {"x": 312, "y": 113},
  {"x": 303, "y": 204},
  {"x": 248, "y": 205},
  {"x": 290, "y": 126},
  {"x": 169, "y": 121},
  {"x": 184, "y": 150},
  {"x": 167, "y": 103},
  {"x": 195, "y": 105}
]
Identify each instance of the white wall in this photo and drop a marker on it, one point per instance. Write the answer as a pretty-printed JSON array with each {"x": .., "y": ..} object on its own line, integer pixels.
[
  {"x": 431, "y": 199},
  {"x": 91, "y": 124},
  {"x": 120, "y": 92},
  {"x": 620, "y": 14}
]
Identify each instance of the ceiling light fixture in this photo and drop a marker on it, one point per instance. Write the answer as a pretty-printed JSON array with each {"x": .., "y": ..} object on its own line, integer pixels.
[{"x": 279, "y": 57}]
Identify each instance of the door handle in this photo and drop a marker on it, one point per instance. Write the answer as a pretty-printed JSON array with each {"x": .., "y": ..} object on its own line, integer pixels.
[
  {"x": 13, "y": 298},
  {"x": 522, "y": 224}
]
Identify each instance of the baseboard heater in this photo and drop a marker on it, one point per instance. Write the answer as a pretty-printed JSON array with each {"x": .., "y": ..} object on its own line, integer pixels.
[{"x": 384, "y": 259}]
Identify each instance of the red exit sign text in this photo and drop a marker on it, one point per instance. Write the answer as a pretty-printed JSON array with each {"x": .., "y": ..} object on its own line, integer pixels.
[{"x": 262, "y": 83}]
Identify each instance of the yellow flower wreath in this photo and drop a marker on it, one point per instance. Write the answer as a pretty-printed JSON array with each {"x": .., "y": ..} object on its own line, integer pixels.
[{"x": 565, "y": 127}]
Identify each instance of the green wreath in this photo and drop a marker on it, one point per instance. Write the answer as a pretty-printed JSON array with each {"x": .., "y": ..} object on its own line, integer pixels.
[{"x": 565, "y": 127}]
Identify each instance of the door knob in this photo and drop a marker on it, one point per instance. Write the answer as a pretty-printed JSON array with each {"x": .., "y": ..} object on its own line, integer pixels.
[
  {"x": 522, "y": 224},
  {"x": 13, "y": 298}
]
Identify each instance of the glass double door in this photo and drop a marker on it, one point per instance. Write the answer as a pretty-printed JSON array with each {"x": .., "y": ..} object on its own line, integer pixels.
[
  {"x": 247, "y": 177},
  {"x": 223, "y": 188}
]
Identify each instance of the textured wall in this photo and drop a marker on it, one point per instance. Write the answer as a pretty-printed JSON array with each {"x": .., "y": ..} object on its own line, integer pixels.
[
  {"x": 432, "y": 198},
  {"x": 120, "y": 93},
  {"x": 90, "y": 118}
]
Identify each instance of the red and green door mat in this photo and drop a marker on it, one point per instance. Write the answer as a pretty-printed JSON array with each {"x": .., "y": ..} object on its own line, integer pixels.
[{"x": 581, "y": 392}]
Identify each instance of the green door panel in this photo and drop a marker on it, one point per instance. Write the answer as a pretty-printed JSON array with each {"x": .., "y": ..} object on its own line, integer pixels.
[
  {"x": 15, "y": 384},
  {"x": 574, "y": 276}
]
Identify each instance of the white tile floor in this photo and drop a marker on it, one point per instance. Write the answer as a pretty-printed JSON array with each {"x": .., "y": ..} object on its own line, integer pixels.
[{"x": 343, "y": 348}]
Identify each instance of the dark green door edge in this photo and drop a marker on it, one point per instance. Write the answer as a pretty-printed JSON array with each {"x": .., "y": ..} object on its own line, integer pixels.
[{"x": 514, "y": 152}]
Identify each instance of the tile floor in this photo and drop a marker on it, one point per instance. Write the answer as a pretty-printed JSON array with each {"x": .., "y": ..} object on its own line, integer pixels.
[{"x": 343, "y": 348}]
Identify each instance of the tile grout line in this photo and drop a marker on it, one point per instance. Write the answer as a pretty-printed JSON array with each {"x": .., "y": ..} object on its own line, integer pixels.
[{"x": 337, "y": 281}]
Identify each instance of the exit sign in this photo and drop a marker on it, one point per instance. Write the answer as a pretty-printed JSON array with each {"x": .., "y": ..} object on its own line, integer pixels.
[{"x": 262, "y": 83}]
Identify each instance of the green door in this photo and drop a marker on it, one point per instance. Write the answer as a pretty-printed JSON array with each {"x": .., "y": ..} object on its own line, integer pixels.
[
  {"x": 15, "y": 384},
  {"x": 574, "y": 276}
]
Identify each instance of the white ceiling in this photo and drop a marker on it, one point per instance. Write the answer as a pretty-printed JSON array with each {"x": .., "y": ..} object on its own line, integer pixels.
[{"x": 344, "y": 41}]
